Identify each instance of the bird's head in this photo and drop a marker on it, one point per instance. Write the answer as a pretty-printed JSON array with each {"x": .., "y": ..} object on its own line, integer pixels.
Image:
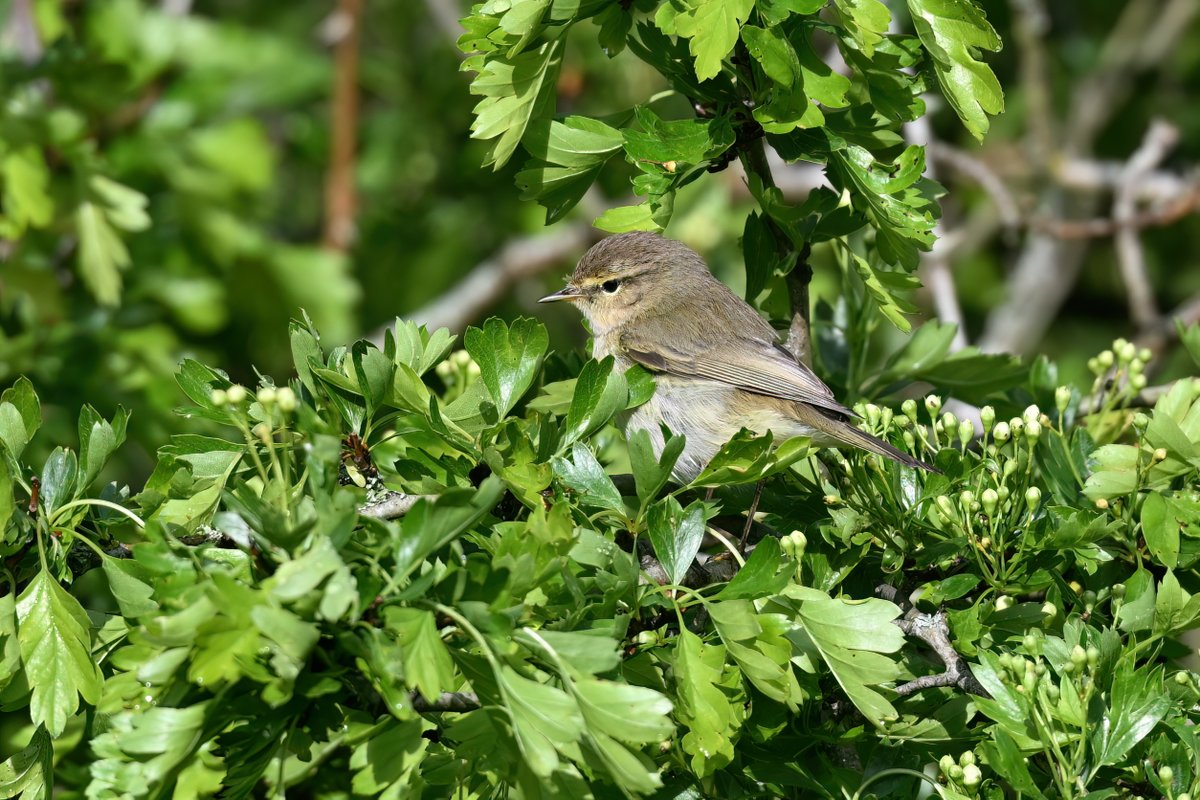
[{"x": 626, "y": 276}]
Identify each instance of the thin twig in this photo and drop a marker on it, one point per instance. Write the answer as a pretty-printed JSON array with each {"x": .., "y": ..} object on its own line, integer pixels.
[
  {"x": 1159, "y": 140},
  {"x": 341, "y": 197}
]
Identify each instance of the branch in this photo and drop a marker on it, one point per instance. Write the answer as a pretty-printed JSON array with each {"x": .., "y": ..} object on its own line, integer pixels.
[
  {"x": 491, "y": 279},
  {"x": 1159, "y": 140},
  {"x": 341, "y": 200},
  {"x": 21, "y": 33},
  {"x": 392, "y": 505},
  {"x": 446, "y": 701},
  {"x": 935, "y": 632},
  {"x": 715, "y": 570}
]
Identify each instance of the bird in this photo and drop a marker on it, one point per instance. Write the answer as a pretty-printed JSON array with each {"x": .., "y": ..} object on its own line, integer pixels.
[{"x": 718, "y": 366}]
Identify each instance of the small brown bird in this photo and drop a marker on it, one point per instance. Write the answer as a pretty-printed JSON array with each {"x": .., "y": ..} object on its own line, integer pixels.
[{"x": 718, "y": 366}]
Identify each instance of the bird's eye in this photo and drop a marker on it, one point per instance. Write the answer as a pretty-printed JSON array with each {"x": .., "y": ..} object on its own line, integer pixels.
[{"x": 611, "y": 286}]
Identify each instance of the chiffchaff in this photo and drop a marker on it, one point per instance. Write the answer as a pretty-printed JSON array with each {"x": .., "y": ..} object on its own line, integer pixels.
[{"x": 718, "y": 366}]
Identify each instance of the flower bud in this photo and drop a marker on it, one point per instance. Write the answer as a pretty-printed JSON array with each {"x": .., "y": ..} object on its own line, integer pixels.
[
  {"x": 1127, "y": 352},
  {"x": 1118, "y": 591},
  {"x": 1105, "y": 359},
  {"x": 965, "y": 499},
  {"x": 945, "y": 763},
  {"x": 933, "y": 404},
  {"x": 966, "y": 432},
  {"x": 987, "y": 417},
  {"x": 1093, "y": 657},
  {"x": 236, "y": 393},
  {"x": 1031, "y": 414},
  {"x": 444, "y": 370},
  {"x": 1138, "y": 381},
  {"x": 909, "y": 440},
  {"x": 266, "y": 395},
  {"x": 1078, "y": 656},
  {"x": 1136, "y": 366},
  {"x": 1049, "y": 610},
  {"x": 1062, "y": 398},
  {"x": 971, "y": 775},
  {"x": 218, "y": 398},
  {"x": 460, "y": 358},
  {"x": 1001, "y": 432},
  {"x": 1160, "y": 454},
  {"x": 1033, "y": 496},
  {"x": 1145, "y": 354},
  {"x": 1166, "y": 774},
  {"x": 1102, "y": 503},
  {"x": 263, "y": 431},
  {"x": 1033, "y": 431},
  {"x": 955, "y": 772},
  {"x": 1182, "y": 678},
  {"x": 990, "y": 500},
  {"x": 946, "y": 507},
  {"x": 886, "y": 417},
  {"x": 909, "y": 407},
  {"x": 985, "y": 543},
  {"x": 1004, "y": 493},
  {"x": 1003, "y": 602},
  {"x": 950, "y": 423},
  {"x": 873, "y": 414},
  {"x": 286, "y": 399},
  {"x": 1017, "y": 426},
  {"x": 1093, "y": 365},
  {"x": 967, "y": 757}
]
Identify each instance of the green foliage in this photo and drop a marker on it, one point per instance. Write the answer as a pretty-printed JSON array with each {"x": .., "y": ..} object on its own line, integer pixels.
[
  {"x": 262, "y": 628},
  {"x": 739, "y": 71}
]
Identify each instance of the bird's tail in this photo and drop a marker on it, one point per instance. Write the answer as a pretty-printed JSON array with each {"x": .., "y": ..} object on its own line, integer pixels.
[{"x": 848, "y": 433}]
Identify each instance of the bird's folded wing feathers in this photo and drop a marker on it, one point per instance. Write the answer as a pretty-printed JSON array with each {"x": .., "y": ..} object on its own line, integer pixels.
[{"x": 751, "y": 364}]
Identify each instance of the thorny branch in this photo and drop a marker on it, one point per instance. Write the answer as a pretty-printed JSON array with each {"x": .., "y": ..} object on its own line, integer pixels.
[{"x": 935, "y": 632}]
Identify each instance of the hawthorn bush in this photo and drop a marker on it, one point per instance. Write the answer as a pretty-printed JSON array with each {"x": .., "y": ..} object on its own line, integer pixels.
[{"x": 411, "y": 570}]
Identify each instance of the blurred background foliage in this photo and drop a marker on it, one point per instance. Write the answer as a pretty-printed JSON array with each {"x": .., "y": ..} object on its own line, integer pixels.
[{"x": 164, "y": 170}]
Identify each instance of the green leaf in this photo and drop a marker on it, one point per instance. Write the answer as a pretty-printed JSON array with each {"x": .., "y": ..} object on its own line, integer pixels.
[
  {"x": 743, "y": 459},
  {"x": 1160, "y": 528},
  {"x": 676, "y": 535},
  {"x": 27, "y": 202},
  {"x": 1137, "y": 703},
  {"x": 59, "y": 479},
  {"x": 20, "y": 416},
  {"x": 98, "y": 439},
  {"x": 599, "y": 394},
  {"x": 633, "y": 714},
  {"x": 102, "y": 254},
  {"x": 567, "y": 158},
  {"x": 584, "y": 475},
  {"x": 29, "y": 773},
  {"x": 386, "y": 764},
  {"x": 127, "y": 580},
  {"x": 623, "y": 219},
  {"x": 427, "y": 665},
  {"x": 1005, "y": 756},
  {"x": 517, "y": 91},
  {"x": 866, "y": 21},
  {"x": 953, "y": 32},
  {"x": 8, "y": 503},
  {"x": 852, "y": 638},
  {"x": 711, "y": 26},
  {"x": 701, "y": 704},
  {"x": 896, "y": 199},
  {"x": 887, "y": 303},
  {"x": 429, "y": 527},
  {"x": 760, "y": 576},
  {"x": 1114, "y": 472},
  {"x": 545, "y": 719},
  {"x": 509, "y": 357},
  {"x": 54, "y": 635},
  {"x": 758, "y": 643},
  {"x": 651, "y": 473}
]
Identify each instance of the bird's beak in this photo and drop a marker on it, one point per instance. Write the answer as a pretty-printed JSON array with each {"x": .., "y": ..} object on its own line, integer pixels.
[{"x": 568, "y": 292}]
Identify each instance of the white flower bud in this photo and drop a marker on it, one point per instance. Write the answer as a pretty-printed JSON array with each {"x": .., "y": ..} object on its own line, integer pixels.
[
  {"x": 1062, "y": 398},
  {"x": 219, "y": 397},
  {"x": 987, "y": 417},
  {"x": 286, "y": 399},
  {"x": 266, "y": 395},
  {"x": 933, "y": 404},
  {"x": 1001, "y": 432},
  {"x": 1033, "y": 496},
  {"x": 990, "y": 500},
  {"x": 1033, "y": 430},
  {"x": 236, "y": 393},
  {"x": 971, "y": 775},
  {"x": 966, "y": 432}
]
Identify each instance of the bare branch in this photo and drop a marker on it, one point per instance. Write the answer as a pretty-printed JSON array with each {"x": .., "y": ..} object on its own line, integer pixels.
[
  {"x": 489, "y": 281},
  {"x": 392, "y": 505},
  {"x": 1159, "y": 140},
  {"x": 341, "y": 198},
  {"x": 446, "y": 701},
  {"x": 934, "y": 630},
  {"x": 21, "y": 33},
  {"x": 977, "y": 170}
]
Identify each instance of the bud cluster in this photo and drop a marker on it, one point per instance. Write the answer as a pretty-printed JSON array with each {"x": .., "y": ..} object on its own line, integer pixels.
[
  {"x": 457, "y": 371},
  {"x": 964, "y": 771}
]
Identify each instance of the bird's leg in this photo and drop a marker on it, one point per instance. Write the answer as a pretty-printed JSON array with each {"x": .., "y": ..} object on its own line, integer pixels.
[{"x": 758, "y": 487}]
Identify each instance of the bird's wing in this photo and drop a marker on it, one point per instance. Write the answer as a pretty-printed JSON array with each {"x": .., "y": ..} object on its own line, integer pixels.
[{"x": 748, "y": 362}]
